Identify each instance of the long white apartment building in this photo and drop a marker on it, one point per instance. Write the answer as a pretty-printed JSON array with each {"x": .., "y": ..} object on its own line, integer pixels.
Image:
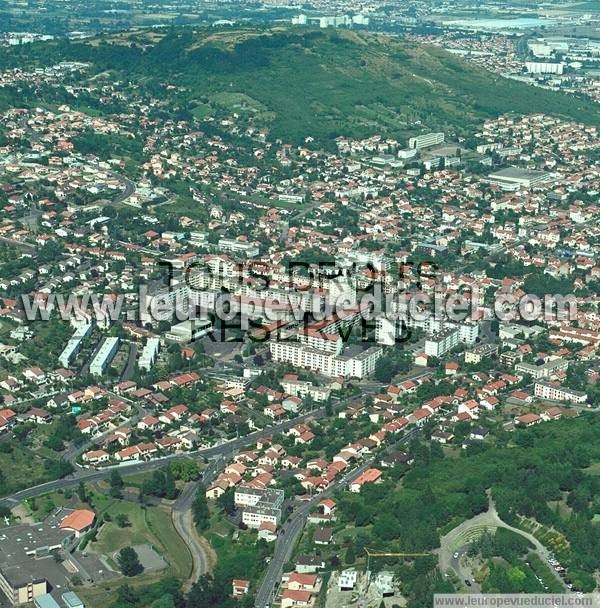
[
  {"x": 207, "y": 282},
  {"x": 544, "y": 370},
  {"x": 359, "y": 365},
  {"x": 377, "y": 259},
  {"x": 426, "y": 140},
  {"x": 250, "y": 250},
  {"x": 302, "y": 388},
  {"x": 73, "y": 347},
  {"x": 556, "y": 392},
  {"x": 544, "y": 67},
  {"x": 440, "y": 343},
  {"x": 318, "y": 340},
  {"x": 391, "y": 327},
  {"x": 104, "y": 356},
  {"x": 468, "y": 331},
  {"x": 250, "y": 278}
]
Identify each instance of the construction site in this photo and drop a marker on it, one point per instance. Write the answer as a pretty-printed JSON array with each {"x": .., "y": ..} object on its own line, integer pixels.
[{"x": 355, "y": 588}]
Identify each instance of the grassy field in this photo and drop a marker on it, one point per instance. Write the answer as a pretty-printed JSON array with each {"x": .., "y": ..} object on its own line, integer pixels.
[
  {"x": 150, "y": 525},
  {"x": 593, "y": 469},
  {"x": 41, "y": 506},
  {"x": 147, "y": 525}
]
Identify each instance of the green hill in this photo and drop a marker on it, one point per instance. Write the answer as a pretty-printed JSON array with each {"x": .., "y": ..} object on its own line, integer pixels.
[{"x": 322, "y": 83}]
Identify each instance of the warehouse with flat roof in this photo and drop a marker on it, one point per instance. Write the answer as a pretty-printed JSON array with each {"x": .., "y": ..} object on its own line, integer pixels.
[
  {"x": 515, "y": 177},
  {"x": 28, "y": 569}
]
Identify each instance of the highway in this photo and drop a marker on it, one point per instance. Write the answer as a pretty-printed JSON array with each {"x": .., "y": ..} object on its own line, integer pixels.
[{"x": 290, "y": 531}]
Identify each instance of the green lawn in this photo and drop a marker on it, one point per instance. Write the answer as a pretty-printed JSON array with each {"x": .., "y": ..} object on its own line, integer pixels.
[
  {"x": 150, "y": 525},
  {"x": 175, "y": 551},
  {"x": 202, "y": 110},
  {"x": 593, "y": 469},
  {"x": 41, "y": 506}
]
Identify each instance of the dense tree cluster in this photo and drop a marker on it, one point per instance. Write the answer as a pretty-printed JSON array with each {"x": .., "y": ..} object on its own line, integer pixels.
[{"x": 543, "y": 464}]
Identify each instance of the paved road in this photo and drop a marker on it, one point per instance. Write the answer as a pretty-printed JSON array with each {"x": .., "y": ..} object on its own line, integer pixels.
[
  {"x": 489, "y": 520},
  {"x": 129, "y": 188},
  {"x": 129, "y": 369},
  {"x": 221, "y": 453},
  {"x": 464, "y": 573},
  {"x": 290, "y": 531},
  {"x": 224, "y": 450},
  {"x": 21, "y": 244},
  {"x": 183, "y": 521}
]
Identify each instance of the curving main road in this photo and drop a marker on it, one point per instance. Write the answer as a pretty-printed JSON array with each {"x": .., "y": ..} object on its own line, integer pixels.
[
  {"x": 292, "y": 528},
  {"x": 223, "y": 451},
  {"x": 183, "y": 521}
]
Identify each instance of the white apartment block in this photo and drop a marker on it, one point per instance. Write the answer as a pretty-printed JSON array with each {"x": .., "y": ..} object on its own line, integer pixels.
[
  {"x": 104, "y": 356},
  {"x": 149, "y": 354},
  {"x": 544, "y": 67},
  {"x": 206, "y": 286},
  {"x": 302, "y": 388},
  {"x": 259, "y": 505},
  {"x": 356, "y": 366},
  {"x": 329, "y": 343},
  {"x": 553, "y": 392},
  {"x": 387, "y": 331},
  {"x": 74, "y": 345},
  {"x": 545, "y": 370},
  {"x": 441, "y": 343},
  {"x": 468, "y": 332},
  {"x": 424, "y": 141},
  {"x": 250, "y": 250}
]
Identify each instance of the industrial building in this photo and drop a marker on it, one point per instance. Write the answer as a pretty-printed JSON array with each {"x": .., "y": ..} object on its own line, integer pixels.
[
  {"x": 250, "y": 250},
  {"x": 186, "y": 331},
  {"x": 514, "y": 177},
  {"x": 28, "y": 570},
  {"x": 72, "y": 600}
]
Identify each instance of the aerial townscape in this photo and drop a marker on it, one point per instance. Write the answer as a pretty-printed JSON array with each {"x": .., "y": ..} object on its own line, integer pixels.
[{"x": 299, "y": 303}]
